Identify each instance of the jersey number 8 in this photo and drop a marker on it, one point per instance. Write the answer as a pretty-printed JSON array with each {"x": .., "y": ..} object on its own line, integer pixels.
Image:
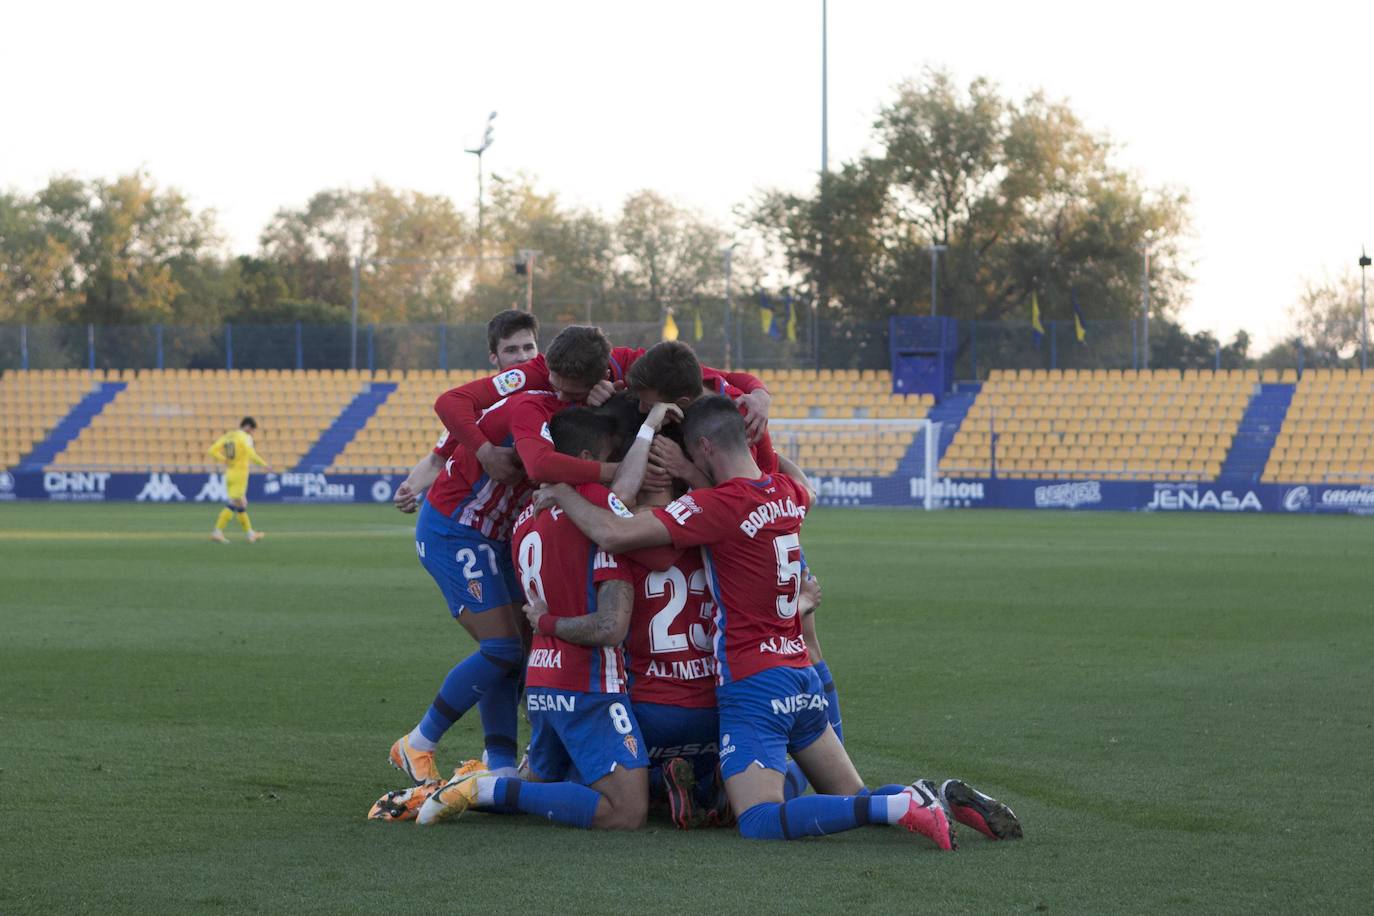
[{"x": 531, "y": 561}]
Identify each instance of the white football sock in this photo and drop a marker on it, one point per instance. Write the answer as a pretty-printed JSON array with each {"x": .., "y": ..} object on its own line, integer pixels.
[
  {"x": 897, "y": 806},
  {"x": 417, "y": 740},
  {"x": 486, "y": 791}
]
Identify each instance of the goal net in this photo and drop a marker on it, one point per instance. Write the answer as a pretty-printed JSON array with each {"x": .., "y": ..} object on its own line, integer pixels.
[{"x": 851, "y": 457}]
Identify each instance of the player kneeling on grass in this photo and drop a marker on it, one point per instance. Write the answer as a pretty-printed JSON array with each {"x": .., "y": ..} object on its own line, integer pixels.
[{"x": 770, "y": 700}]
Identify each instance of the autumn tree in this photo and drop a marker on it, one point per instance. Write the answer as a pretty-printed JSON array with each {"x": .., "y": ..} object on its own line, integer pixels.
[
  {"x": 1022, "y": 195},
  {"x": 109, "y": 252}
]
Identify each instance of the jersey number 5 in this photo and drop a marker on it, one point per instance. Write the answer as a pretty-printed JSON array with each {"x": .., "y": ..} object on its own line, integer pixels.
[{"x": 789, "y": 573}]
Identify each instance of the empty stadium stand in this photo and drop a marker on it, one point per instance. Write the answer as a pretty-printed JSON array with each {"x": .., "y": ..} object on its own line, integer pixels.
[
  {"x": 1079, "y": 424},
  {"x": 1259, "y": 427},
  {"x": 32, "y": 404},
  {"x": 1116, "y": 425},
  {"x": 837, "y": 395},
  {"x": 1328, "y": 434},
  {"x": 404, "y": 427},
  {"x": 166, "y": 420}
]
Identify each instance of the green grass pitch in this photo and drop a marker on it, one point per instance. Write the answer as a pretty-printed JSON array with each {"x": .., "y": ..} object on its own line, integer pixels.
[{"x": 1179, "y": 709}]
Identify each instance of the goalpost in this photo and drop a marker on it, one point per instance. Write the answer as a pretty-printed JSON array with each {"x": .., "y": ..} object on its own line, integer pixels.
[{"x": 899, "y": 455}]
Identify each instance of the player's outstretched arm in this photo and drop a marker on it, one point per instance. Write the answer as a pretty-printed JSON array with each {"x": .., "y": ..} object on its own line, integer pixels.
[
  {"x": 458, "y": 408},
  {"x": 629, "y": 477},
  {"x": 606, "y": 627},
  {"x": 793, "y": 470},
  {"x": 755, "y": 400},
  {"x": 420, "y": 479},
  {"x": 611, "y": 533},
  {"x": 545, "y": 464},
  {"x": 809, "y": 599}
]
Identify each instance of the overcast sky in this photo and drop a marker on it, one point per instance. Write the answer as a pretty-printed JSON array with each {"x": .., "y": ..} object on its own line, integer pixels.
[{"x": 1262, "y": 113}]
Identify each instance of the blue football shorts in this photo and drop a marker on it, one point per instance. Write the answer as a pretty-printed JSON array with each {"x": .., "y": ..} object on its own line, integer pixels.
[
  {"x": 582, "y": 736},
  {"x": 473, "y": 572},
  {"x": 767, "y": 716},
  {"x": 679, "y": 731}
]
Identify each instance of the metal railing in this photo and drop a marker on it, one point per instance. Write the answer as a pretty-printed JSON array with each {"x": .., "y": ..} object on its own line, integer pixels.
[{"x": 728, "y": 336}]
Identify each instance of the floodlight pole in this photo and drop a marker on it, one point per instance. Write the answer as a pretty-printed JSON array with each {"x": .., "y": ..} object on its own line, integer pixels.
[
  {"x": 729, "y": 255},
  {"x": 934, "y": 274},
  {"x": 482, "y": 148},
  {"x": 1145, "y": 303},
  {"x": 825, "y": 94},
  {"x": 353, "y": 322},
  {"x": 1364, "y": 312},
  {"x": 528, "y": 257},
  {"x": 822, "y": 290}
]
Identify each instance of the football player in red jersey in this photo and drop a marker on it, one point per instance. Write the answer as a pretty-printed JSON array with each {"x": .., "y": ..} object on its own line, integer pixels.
[
  {"x": 770, "y": 700},
  {"x": 586, "y": 753},
  {"x": 669, "y": 371},
  {"x": 460, "y": 407},
  {"x": 463, "y": 540},
  {"x": 512, "y": 338}
]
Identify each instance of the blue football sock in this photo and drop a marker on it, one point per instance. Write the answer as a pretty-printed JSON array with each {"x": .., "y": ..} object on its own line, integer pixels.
[
  {"x": 497, "y": 707},
  {"x": 709, "y": 791},
  {"x": 561, "y": 802},
  {"x": 890, "y": 789},
  {"x": 832, "y": 709},
  {"x": 467, "y": 682},
  {"x": 812, "y": 815},
  {"x": 793, "y": 781}
]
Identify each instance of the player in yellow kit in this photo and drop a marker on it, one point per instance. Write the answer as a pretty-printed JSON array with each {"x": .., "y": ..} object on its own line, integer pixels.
[{"x": 235, "y": 450}]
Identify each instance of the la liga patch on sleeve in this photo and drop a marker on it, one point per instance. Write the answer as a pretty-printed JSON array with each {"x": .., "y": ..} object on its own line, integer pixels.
[
  {"x": 510, "y": 382},
  {"x": 618, "y": 507}
]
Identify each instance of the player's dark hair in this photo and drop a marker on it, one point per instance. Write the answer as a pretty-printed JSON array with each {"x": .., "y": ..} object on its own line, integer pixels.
[
  {"x": 669, "y": 368},
  {"x": 715, "y": 418},
  {"x": 511, "y": 321},
  {"x": 579, "y": 353},
  {"x": 249, "y": 422},
  {"x": 579, "y": 429},
  {"x": 622, "y": 408}
]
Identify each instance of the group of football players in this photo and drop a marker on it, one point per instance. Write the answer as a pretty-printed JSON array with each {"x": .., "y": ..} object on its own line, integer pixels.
[{"x": 614, "y": 529}]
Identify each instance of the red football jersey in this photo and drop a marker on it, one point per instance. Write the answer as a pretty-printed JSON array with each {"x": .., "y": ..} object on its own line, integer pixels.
[
  {"x": 555, "y": 561},
  {"x": 749, "y": 534},
  {"x": 529, "y": 424},
  {"x": 459, "y": 407},
  {"x": 464, "y": 493},
  {"x": 669, "y": 649}
]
